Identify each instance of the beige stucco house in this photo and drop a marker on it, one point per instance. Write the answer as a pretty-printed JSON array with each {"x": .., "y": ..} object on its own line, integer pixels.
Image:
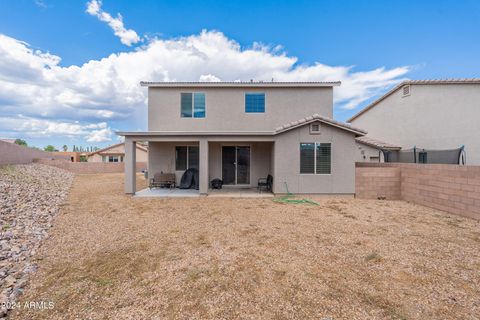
[
  {"x": 242, "y": 131},
  {"x": 430, "y": 114},
  {"x": 116, "y": 153}
]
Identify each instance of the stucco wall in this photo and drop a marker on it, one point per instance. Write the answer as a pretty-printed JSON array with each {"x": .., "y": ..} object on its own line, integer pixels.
[
  {"x": 432, "y": 116},
  {"x": 11, "y": 153},
  {"x": 364, "y": 153},
  {"x": 260, "y": 159},
  {"x": 225, "y": 108},
  {"x": 141, "y": 155},
  {"x": 287, "y": 162},
  {"x": 162, "y": 158}
]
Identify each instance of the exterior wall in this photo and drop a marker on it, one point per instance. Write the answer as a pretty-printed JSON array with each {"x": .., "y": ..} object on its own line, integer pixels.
[
  {"x": 441, "y": 116},
  {"x": 11, "y": 153},
  {"x": 142, "y": 156},
  {"x": 90, "y": 167},
  {"x": 287, "y": 162},
  {"x": 74, "y": 156},
  {"x": 365, "y": 153},
  {"x": 95, "y": 158},
  {"x": 451, "y": 188},
  {"x": 260, "y": 159},
  {"x": 225, "y": 108},
  {"x": 162, "y": 159}
]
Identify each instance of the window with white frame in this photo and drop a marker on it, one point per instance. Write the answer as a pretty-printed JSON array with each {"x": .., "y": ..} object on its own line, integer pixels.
[
  {"x": 192, "y": 105},
  {"x": 112, "y": 158},
  {"x": 186, "y": 157},
  {"x": 315, "y": 158}
]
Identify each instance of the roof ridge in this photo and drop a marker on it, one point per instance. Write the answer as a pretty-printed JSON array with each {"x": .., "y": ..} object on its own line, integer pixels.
[{"x": 317, "y": 117}]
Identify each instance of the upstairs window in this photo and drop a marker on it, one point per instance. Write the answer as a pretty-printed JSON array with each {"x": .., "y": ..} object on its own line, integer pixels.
[
  {"x": 315, "y": 158},
  {"x": 255, "y": 102},
  {"x": 192, "y": 105}
]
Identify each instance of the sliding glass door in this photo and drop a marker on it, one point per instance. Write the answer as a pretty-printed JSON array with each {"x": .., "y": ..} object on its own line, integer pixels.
[{"x": 236, "y": 165}]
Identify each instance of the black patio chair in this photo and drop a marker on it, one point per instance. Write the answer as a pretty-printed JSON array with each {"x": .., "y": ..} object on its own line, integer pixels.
[{"x": 265, "y": 183}]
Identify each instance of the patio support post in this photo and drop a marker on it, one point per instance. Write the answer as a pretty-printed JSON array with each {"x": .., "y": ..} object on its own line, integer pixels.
[
  {"x": 130, "y": 166},
  {"x": 203, "y": 166}
]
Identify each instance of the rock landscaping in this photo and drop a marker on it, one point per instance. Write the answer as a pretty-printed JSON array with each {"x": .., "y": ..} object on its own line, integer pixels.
[{"x": 30, "y": 197}]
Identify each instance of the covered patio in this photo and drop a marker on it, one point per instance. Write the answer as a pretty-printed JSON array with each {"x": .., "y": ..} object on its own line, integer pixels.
[{"x": 239, "y": 160}]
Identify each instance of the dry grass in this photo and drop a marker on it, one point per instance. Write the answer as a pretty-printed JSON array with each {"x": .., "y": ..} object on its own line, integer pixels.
[{"x": 116, "y": 257}]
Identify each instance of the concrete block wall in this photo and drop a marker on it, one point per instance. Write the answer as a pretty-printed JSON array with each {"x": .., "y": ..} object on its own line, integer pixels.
[
  {"x": 373, "y": 183},
  {"x": 11, "y": 153},
  {"x": 90, "y": 167},
  {"x": 451, "y": 188}
]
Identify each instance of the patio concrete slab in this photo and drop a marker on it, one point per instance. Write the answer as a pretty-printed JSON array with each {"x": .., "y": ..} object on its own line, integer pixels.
[{"x": 167, "y": 193}]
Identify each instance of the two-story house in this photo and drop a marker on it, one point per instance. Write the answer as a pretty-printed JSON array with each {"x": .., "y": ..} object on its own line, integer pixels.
[{"x": 242, "y": 131}]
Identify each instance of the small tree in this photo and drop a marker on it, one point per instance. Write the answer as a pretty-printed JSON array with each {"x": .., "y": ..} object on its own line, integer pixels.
[
  {"x": 50, "y": 148},
  {"x": 65, "y": 148},
  {"x": 21, "y": 142}
]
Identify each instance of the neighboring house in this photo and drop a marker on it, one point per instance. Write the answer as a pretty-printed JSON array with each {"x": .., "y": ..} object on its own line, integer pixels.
[
  {"x": 429, "y": 114},
  {"x": 371, "y": 150},
  {"x": 242, "y": 131},
  {"x": 74, "y": 156},
  {"x": 116, "y": 153}
]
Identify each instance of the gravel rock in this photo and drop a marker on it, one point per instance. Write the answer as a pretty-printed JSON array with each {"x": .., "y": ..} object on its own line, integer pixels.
[{"x": 30, "y": 197}]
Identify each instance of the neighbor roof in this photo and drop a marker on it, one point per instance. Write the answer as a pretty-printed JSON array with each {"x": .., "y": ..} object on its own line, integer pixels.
[
  {"x": 241, "y": 84},
  {"x": 139, "y": 146},
  {"x": 414, "y": 82},
  {"x": 377, "y": 143}
]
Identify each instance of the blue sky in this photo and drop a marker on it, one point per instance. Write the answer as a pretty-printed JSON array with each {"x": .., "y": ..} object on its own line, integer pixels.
[{"x": 81, "y": 78}]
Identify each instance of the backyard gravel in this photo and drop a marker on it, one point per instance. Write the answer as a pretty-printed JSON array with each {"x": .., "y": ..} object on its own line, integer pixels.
[
  {"x": 111, "y": 256},
  {"x": 30, "y": 197}
]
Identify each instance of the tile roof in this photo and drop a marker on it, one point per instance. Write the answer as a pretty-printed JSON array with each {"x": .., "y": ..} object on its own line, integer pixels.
[
  {"x": 317, "y": 117},
  {"x": 105, "y": 150},
  {"x": 234, "y": 84},
  {"x": 377, "y": 143},
  {"x": 414, "y": 82}
]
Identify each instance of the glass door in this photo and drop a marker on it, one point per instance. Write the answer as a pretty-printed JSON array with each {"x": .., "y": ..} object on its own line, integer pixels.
[
  {"x": 243, "y": 165},
  {"x": 228, "y": 165},
  {"x": 236, "y": 165}
]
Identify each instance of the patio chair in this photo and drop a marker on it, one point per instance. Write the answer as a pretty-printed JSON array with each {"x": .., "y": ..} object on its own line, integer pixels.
[
  {"x": 265, "y": 183},
  {"x": 162, "y": 180}
]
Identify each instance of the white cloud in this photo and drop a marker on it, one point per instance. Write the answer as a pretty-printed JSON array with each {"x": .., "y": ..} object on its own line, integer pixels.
[
  {"x": 40, "y": 4},
  {"x": 31, "y": 127},
  {"x": 127, "y": 36},
  {"x": 108, "y": 90}
]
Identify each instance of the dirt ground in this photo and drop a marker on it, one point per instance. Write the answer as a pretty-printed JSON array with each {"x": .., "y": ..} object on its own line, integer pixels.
[{"x": 111, "y": 256}]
